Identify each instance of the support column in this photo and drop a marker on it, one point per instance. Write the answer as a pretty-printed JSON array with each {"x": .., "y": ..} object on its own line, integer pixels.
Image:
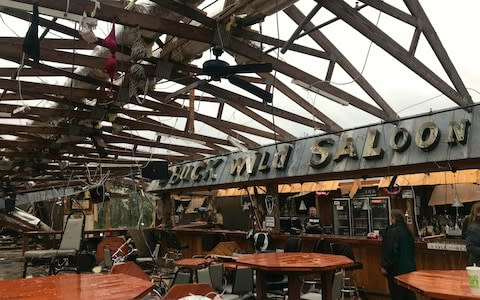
[
  {"x": 166, "y": 208},
  {"x": 272, "y": 190}
]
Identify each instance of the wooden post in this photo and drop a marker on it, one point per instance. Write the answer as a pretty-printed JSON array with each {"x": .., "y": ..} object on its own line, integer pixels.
[
  {"x": 168, "y": 209},
  {"x": 191, "y": 112},
  {"x": 107, "y": 212},
  {"x": 272, "y": 190}
]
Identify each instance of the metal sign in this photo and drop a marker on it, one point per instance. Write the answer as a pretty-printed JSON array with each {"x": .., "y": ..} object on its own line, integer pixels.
[{"x": 427, "y": 143}]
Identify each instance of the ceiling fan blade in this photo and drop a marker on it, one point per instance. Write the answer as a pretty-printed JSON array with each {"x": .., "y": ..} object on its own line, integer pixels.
[
  {"x": 249, "y": 68},
  {"x": 253, "y": 89}
]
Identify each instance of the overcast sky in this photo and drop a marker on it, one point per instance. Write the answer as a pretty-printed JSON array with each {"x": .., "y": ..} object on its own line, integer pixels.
[{"x": 455, "y": 25}]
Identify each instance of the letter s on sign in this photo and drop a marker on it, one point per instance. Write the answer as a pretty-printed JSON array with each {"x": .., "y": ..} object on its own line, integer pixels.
[{"x": 320, "y": 155}]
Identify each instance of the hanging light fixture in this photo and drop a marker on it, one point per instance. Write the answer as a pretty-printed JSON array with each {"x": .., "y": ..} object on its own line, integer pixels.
[
  {"x": 457, "y": 202},
  {"x": 180, "y": 208},
  {"x": 366, "y": 205},
  {"x": 302, "y": 207},
  {"x": 245, "y": 203}
]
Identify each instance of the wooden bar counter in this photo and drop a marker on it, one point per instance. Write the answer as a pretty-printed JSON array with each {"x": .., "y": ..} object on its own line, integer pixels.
[{"x": 367, "y": 251}]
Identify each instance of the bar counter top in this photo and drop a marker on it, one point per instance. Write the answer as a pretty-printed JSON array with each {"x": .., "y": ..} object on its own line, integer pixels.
[{"x": 433, "y": 244}]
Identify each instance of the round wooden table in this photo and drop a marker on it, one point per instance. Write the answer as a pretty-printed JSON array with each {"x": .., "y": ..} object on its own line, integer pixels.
[
  {"x": 76, "y": 286},
  {"x": 438, "y": 284},
  {"x": 294, "y": 265}
]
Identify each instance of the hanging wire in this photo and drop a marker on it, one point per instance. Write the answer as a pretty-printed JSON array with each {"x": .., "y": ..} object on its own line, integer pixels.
[
  {"x": 363, "y": 66},
  {"x": 275, "y": 81},
  {"x": 208, "y": 5}
]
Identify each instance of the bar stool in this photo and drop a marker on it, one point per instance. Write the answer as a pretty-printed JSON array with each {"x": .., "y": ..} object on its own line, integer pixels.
[
  {"x": 320, "y": 246},
  {"x": 349, "y": 286}
]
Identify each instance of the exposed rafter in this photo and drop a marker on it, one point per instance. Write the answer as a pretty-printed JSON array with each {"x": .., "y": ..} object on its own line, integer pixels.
[{"x": 82, "y": 122}]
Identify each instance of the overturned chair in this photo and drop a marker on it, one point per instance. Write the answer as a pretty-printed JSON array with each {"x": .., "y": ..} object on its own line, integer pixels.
[{"x": 66, "y": 255}]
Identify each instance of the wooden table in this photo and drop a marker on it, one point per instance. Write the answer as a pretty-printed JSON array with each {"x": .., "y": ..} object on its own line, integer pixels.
[
  {"x": 294, "y": 265},
  {"x": 76, "y": 286},
  {"x": 438, "y": 284},
  {"x": 181, "y": 290},
  {"x": 193, "y": 263}
]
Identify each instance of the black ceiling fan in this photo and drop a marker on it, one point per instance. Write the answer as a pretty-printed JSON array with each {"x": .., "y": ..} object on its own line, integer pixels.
[{"x": 218, "y": 69}]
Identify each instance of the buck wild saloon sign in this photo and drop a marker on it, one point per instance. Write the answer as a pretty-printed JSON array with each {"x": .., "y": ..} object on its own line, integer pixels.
[{"x": 415, "y": 145}]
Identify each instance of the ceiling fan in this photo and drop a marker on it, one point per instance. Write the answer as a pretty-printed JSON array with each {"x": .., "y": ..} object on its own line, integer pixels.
[{"x": 218, "y": 69}]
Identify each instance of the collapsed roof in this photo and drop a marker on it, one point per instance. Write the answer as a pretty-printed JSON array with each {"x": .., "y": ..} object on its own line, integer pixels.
[{"x": 64, "y": 123}]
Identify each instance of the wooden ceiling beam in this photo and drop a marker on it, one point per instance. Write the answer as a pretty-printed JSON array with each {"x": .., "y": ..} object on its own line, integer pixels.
[
  {"x": 210, "y": 146},
  {"x": 30, "y": 72},
  {"x": 187, "y": 11},
  {"x": 52, "y": 112},
  {"x": 10, "y": 128},
  {"x": 250, "y": 52},
  {"x": 205, "y": 140},
  {"x": 431, "y": 35},
  {"x": 298, "y": 17},
  {"x": 281, "y": 135},
  {"x": 52, "y": 43},
  {"x": 182, "y": 32},
  {"x": 392, "y": 11},
  {"x": 111, "y": 139},
  {"x": 329, "y": 124},
  {"x": 414, "y": 43},
  {"x": 372, "y": 32},
  {"x": 229, "y": 96},
  {"x": 133, "y": 153},
  {"x": 260, "y": 9},
  {"x": 249, "y": 143},
  {"x": 277, "y": 43},
  {"x": 62, "y": 57},
  {"x": 204, "y": 35},
  {"x": 142, "y": 125},
  {"x": 47, "y": 23},
  {"x": 178, "y": 111},
  {"x": 73, "y": 94}
]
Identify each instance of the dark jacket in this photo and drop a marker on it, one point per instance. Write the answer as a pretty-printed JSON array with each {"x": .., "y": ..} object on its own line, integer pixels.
[
  {"x": 465, "y": 223},
  {"x": 473, "y": 243},
  {"x": 398, "y": 250}
]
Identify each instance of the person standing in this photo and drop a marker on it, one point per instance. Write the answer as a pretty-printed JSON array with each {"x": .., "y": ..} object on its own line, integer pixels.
[
  {"x": 398, "y": 255},
  {"x": 472, "y": 236}
]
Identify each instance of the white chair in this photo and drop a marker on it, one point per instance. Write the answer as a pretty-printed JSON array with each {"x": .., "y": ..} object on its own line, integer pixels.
[
  {"x": 146, "y": 257},
  {"x": 336, "y": 289},
  {"x": 203, "y": 276},
  {"x": 63, "y": 257}
]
